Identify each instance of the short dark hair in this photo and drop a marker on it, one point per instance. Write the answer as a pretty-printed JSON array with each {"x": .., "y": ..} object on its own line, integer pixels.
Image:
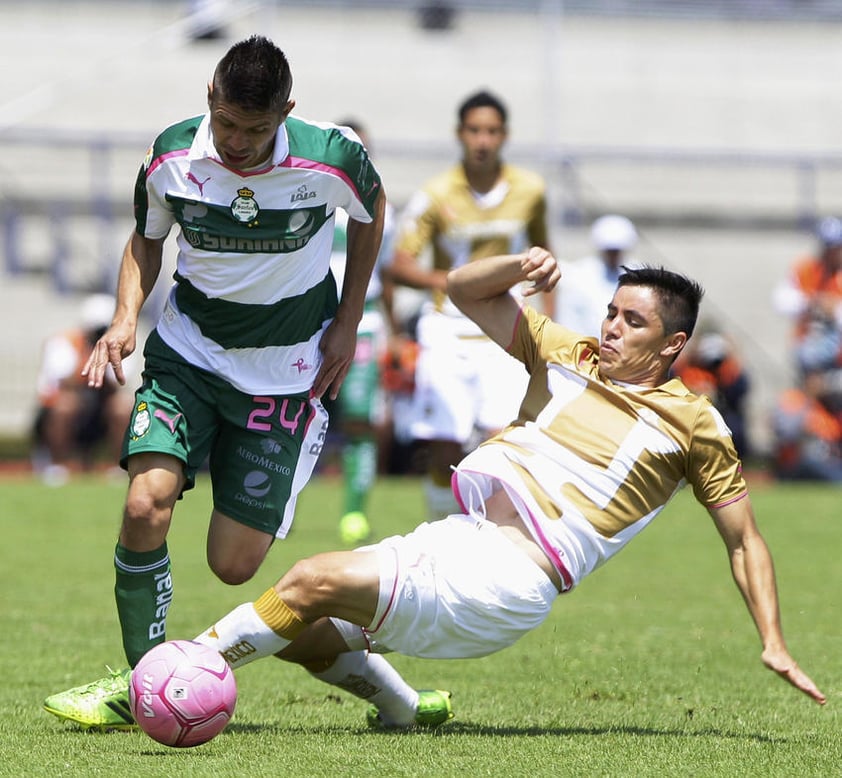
[
  {"x": 482, "y": 99},
  {"x": 254, "y": 74},
  {"x": 678, "y": 295}
]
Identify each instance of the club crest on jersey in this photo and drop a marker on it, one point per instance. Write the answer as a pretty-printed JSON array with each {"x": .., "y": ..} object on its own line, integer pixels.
[
  {"x": 244, "y": 208},
  {"x": 140, "y": 424}
]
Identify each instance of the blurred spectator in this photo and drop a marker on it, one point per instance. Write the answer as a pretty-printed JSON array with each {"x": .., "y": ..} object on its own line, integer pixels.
[
  {"x": 206, "y": 20},
  {"x": 73, "y": 419},
  {"x": 811, "y": 296},
  {"x": 588, "y": 283},
  {"x": 808, "y": 437},
  {"x": 710, "y": 366},
  {"x": 360, "y": 414}
]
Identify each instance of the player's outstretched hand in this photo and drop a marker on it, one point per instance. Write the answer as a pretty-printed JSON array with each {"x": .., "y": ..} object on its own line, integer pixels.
[
  {"x": 111, "y": 349},
  {"x": 541, "y": 269},
  {"x": 337, "y": 345},
  {"x": 787, "y": 668}
]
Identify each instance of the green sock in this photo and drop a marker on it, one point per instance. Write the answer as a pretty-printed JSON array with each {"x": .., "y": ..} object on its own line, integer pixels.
[
  {"x": 359, "y": 465},
  {"x": 143, "y": 591}
]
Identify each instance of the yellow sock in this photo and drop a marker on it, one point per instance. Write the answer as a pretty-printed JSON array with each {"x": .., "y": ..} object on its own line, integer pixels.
[{"x": 278, "y": 616}]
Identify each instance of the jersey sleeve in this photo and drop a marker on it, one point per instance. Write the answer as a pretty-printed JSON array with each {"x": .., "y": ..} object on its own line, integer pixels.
[
  {"x": 417, "y": 226},
  {"x": 527, "y": 336},
  {"x": 153, "y": 216},
  {"x": 537, "y": 339},
  {"x": 715, "y": 470},
  {"x": 366, "y": 183}
]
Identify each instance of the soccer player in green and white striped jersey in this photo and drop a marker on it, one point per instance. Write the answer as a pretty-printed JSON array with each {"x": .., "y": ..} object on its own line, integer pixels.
[{"x": 253, "y": 334}]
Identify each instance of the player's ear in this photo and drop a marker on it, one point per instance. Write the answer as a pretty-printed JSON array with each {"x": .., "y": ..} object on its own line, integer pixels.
[
  {"x": 287, "y": 110},
  {"x": 674, "y": 344},
  {"x": 210, "y": 93}
]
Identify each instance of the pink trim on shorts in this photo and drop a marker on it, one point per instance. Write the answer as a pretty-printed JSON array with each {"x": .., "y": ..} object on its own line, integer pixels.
[{"x": 392, "y": 597}]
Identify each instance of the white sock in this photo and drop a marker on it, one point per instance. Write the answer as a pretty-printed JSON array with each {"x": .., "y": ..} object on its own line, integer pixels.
[
  {"x": 242, "y": 636},
  {"x": 370, "y": 677}
]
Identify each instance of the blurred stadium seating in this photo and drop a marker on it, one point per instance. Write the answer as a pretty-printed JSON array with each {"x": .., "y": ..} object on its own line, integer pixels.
[{"x": 711, "y": 124}]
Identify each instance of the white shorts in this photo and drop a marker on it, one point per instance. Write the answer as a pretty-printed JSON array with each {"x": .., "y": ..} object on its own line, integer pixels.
[
  {"x": 463, "y": 382},
  {"x": 453, "y": 589}
]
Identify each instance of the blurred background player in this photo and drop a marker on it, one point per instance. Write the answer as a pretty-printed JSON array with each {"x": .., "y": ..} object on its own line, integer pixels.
[
  {"x": 808, "y": 436},
  {"x": 580, "y": 302},
  {"x": 360, "y": 414},
  {"x": 811, "y": 296},
  {"x": 481, "y": 207},
  {"x": 73, "y": 419},
  {"x": 808, "y": 416}
]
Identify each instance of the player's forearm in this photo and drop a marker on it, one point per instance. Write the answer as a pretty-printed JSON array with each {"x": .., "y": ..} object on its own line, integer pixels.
[
  {"x": 363, "y": 247},
  {"x": 406, "y": 271},
  {"x": 754, "y": 573},
  {"x": 485, "y": 279},
  {"x": 139, "y": 271}
]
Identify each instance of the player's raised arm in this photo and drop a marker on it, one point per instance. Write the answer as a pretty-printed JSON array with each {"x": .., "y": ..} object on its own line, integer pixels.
[
  {"x": 480, "y": 289},
  {"x": 754, "y": 573}
]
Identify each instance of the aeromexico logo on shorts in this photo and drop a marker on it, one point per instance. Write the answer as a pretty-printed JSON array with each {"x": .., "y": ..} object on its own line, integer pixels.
[
  {"x": 257, "y": 483},
  {"x": 262, "y": 460}
]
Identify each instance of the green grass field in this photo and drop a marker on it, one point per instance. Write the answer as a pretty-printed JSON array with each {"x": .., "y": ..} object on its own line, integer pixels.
[{"x": 651, "y": 668}]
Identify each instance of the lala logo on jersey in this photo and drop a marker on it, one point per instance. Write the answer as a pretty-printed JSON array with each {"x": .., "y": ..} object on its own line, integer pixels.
[
  {"x": 302, "y": 193},
  {"x": 244, "y": 207}
]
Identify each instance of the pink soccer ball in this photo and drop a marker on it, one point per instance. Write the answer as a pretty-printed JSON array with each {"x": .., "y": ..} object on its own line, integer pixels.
[{"x": 182, "y": 693}]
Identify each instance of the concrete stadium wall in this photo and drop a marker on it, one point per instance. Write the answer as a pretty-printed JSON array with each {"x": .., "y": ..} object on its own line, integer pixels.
[{"x": 571, "y": 82}]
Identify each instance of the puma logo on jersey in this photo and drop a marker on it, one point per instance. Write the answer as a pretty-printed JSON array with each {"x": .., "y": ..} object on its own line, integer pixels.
[{"x": 199, "y": 184}]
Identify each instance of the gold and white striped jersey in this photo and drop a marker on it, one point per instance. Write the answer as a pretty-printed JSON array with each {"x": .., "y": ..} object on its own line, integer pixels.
[
  {"x": 590, "y": 462},
  {"x": 460, "y": 226}
]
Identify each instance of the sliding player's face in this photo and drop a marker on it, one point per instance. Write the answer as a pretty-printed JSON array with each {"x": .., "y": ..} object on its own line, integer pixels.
[
  {"x": 634, "y": 345},
  {"x": 244, "y": 139}
]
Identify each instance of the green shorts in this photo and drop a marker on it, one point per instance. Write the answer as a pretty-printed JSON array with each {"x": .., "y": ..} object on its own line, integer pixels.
[
  {"x": 361, "y": 396},
  {"x": 261, "y": 450}
]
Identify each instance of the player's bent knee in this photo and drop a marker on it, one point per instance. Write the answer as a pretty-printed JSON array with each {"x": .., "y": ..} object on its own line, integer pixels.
[
  {"x": 309, "y": 587},
  {"x": 142, "y": 508},
  {"x": 234, "y": 571}
]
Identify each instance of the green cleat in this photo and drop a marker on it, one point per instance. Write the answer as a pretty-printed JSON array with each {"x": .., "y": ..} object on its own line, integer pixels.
[
  {"x": 434, "y": 708},
  {"x": 103, "y": 704}
]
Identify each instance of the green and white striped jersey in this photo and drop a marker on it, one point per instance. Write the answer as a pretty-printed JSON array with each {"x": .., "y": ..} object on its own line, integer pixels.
[{"x": 253, "y": 290}]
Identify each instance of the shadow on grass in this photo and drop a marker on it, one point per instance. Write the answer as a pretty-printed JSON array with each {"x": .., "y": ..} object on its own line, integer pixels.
[{"x": 484, "y": 730}]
